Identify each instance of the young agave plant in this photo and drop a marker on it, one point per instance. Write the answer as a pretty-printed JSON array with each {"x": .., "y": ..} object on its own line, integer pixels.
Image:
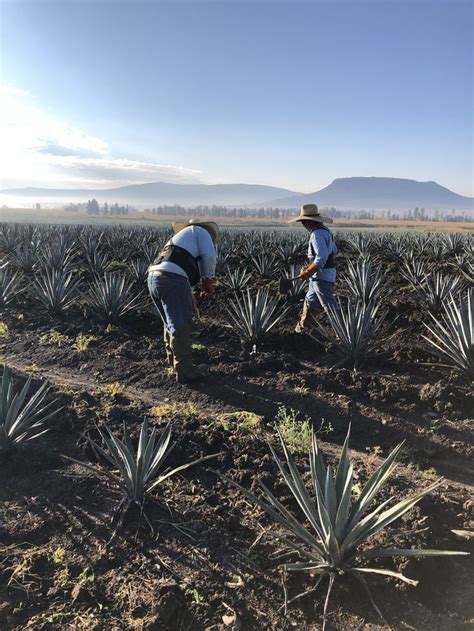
[
  {"x": 136, "y": 472},
  {"x": 356, "y": 327},
  {"x": 298, "y": 287},
  {"x": 436, "y": 289},
  {"x": 110, "y": 298},
  {"x": 55, "y": 288},
  {"x": 237, "y": 279},
  {"x": 265, "y": 264},
  {"x": 139, "y": 271},
  {"x": 337, "y": 525},
  {"x": 252, "y": 317},
  {"x": 364, "y": 281},
  {"x": 452, "y": 337},
  {"x": 22, "y": 417},
  {"x": 413, "y": 270}
]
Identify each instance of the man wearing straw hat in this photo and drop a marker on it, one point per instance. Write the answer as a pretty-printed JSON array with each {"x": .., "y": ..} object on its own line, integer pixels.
[
  {"x": 321, "y": 270},
  {"x": 187, "y": 258}
]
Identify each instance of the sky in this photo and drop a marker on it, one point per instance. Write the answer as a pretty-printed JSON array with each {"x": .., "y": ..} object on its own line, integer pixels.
[{"x": 98, "y": 94}]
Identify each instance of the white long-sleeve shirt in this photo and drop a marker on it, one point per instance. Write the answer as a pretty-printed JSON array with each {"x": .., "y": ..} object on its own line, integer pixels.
[{"x": 198, "y": 242}]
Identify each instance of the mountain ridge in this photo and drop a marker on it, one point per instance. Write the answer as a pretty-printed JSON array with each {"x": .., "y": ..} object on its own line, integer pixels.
[{"x": 348, "y": 193}]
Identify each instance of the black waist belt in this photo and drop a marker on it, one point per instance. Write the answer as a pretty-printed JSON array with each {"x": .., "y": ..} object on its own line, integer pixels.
[
  {"x": 179, "y": 256},
  {"x": 330, "y": 262}
]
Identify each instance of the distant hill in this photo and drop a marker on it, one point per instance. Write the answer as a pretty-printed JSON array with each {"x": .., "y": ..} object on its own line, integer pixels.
[
  {"x": 354, "y": 193},
  {"x": 157, "y": 193},
  {"x": 379, "y": 193}
]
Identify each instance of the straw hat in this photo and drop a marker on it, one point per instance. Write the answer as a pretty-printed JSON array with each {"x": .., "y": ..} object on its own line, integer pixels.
[
  {"x": 210, "y": 226},
  {"x": 309, "y": 212}
]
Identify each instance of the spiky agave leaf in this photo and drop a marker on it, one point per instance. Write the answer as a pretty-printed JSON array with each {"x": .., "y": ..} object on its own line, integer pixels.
[
  {"x": 452, "y": 337},
  {"x": 297, "y": 289},
  {"x": 236, "y": 279},
  {"x": 110, "y": 298},
  {"x": 364, "y": 281},
  {"x": 253, "y": 317},
  {"x": 22, "y": 417},
  {"x": 139, "y": 270},
  {"x": 436, "y": 289},
  {"x": 10, "y": 285},
  {"x": 136, "y": 471},
  {"x": 55, "y": 288},
  {"x": 356, "y": 326},
  {"x": 338, "y": 525}
]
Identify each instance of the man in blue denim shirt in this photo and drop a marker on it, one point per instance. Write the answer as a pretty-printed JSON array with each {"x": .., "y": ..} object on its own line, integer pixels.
[
  {"x": 187, "y": 258},
  {"x": 321, "y": 270}
]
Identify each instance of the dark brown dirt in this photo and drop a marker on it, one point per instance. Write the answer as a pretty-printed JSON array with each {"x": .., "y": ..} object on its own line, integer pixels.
[{"x": 210, "y": 560}]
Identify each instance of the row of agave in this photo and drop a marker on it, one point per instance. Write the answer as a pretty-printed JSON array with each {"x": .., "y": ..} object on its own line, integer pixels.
[
  {"x": 355, "y": 327},
  {"x": 72, "y": 266},
  {"x": 30, "y": 245},
  {"x": 330, "y": 536}
]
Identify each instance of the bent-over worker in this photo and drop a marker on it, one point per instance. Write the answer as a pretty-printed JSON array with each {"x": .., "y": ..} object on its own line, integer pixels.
[{"x": 187, "y": 258}]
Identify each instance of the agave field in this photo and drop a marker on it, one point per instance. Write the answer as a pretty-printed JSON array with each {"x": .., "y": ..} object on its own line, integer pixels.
[{"x": 316, "y": 481}]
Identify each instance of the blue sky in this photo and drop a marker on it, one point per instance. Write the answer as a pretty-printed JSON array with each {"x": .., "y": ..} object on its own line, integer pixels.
[{"x": 290, "y": 94}]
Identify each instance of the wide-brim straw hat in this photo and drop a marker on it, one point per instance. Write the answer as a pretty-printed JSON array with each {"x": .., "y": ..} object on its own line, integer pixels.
[
  {"x": 210, "y": 226},
  {"x": 310, "y": 212}
]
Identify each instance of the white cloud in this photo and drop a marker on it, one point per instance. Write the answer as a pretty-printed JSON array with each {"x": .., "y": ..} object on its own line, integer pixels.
[{"x": 39, "y": 150}]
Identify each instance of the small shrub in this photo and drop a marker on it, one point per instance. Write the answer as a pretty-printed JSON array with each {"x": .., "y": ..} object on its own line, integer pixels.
[
  {"x": 295, "y": 432},
  {"x": 53, "y": 338},
  {"x": 301, "y": 391},
  {"x": 83, "y": 341},
  {"x": 172, "y": 410},
  {"x": 114, "y": 389},
  {"x": 240, "y": 419},
  {"x": 198, "y": 347},
  {"x": 4, "y": 331}
]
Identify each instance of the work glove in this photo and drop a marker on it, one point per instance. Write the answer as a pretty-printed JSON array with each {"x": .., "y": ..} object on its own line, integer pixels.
[
  {"x": 207, "y": 287},
  {"x": 307, "y": 272}
]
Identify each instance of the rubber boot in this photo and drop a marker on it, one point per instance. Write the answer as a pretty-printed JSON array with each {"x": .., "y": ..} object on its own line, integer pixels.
[
  {"x": 304, "y": 319},
  {"x": 168, "y": 349},
  {"x": 183, "y": 365}
]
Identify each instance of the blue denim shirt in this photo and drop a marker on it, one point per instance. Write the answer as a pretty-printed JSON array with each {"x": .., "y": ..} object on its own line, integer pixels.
[{"x": 321, "y": 243}]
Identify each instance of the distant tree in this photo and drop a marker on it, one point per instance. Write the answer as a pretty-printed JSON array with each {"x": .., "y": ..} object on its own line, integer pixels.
[{"x": 93, "y": 207}]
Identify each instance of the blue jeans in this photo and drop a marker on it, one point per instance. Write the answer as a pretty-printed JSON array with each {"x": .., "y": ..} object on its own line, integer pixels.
[
  {"x": 172, "y": 296},
  {"x": 320, "y": 295}
]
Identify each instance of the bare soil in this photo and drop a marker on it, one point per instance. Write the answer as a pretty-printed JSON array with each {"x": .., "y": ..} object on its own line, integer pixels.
[{"x": 210, "y": 562}]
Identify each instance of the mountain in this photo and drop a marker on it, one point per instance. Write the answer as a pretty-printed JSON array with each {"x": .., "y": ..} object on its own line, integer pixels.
[
  {"x": 379, "y": 193},
  {"x": 157, "y": 193},
  {"x": 355, "y": 193}
]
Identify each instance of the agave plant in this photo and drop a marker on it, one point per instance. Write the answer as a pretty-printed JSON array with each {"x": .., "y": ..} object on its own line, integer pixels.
[
  {"x": 436, "y": 289},
  {"x": 364, "y": 281},
  {"x": 413, "y": 270},
  {"x": 452, "y": 337},
  {"x": 265, "y": 264},
  {"x": 25, "y": 258},
  {"x": 22, "y": 417},
  {"x": 253, "y": 317},
  {"x": 55, "y": 288},
  {"x": 98, "y": 263},
  {"x": 337, "y": 525},
  {"x": 110, "y": 298},
  {"x": 356, "y": 327},
  {"x": 237, "y": 279},
  {"x": 136, "y": 472},
  {"x": 139, "y": 271},
  {"x": 298, "y": 287},
  {"x": 9, "y": 285}
]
